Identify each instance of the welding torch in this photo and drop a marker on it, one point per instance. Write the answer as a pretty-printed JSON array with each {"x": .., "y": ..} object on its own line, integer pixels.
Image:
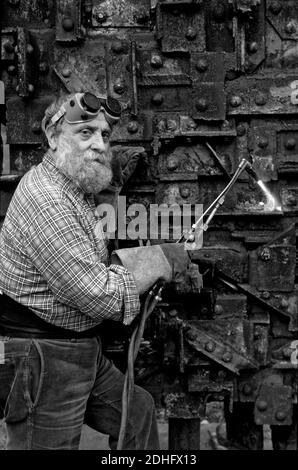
[{"x": 154, "y": 296}]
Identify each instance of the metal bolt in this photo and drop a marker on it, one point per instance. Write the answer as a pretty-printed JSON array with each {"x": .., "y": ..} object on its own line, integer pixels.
[
  {"x": 157, "y": 99},
  {"x": 30, "y": 88},
  {"x": 191, "y": 335},
  {"x": 235, "y": 101},
  {"x": 156, "y": 61},
  {"x": 265, "y": 295},
  {"x": 247, "y": 389},
  {"x": 275, "y": 7},
  {"x": 227, "y": 357},
  {"x": 36, "y": 127},
  {"x": 184, "y": 192},
  {"x": 265, "y": 254},
  {"x": 241, "y": 130},
  {"x": 119, "y": 86},
  {"x": 280, "y": 415},
  {"x": 218, "y": 309},
  {"x": 263, "y": 142},
  {"x": 290, "y": 144},
  {"x": 172, "y": 163},
  {"x": 100, "y": 17},
  {"x": 202, "y": 65},
  {"x": 290, "y": 27},
  {"x": 173, "y": 313},
  {"x": 218, "y": 12},
  {"x": 9, "y": 47},
  {"x": 132, "y": 127},
  {"x": 190, "y": 33},
  {"x": 210, "y": 346},
  {"x": 202, "y": 104},
  {"x": 260, "y": 99},
  {"x": 117, "y": 47},
  {"x": 66, "y": 72},
  {"x": 253, "y": 47},
  {"x": 67, "y": 23},
  {"x": 262, "y": 405},
  {"x": 11, "y": 70},
  {"x": 29, "y": 49},
  {"x": 43, "y": 67}
]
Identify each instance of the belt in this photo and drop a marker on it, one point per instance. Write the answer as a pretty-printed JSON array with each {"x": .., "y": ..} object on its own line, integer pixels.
[{"x": 19, "y": 321}]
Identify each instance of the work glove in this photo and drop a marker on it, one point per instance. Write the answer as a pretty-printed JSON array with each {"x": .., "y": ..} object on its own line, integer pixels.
[
  {"x": 124, "y": 162},
  {"x": 166, "y": 262}
]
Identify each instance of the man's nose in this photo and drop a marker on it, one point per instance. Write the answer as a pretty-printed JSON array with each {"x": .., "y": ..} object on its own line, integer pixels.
[{"x": 98, "y": 143}]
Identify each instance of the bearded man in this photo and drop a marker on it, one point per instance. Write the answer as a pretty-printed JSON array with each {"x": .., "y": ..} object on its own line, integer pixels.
[{"x": 58, "y": 285}]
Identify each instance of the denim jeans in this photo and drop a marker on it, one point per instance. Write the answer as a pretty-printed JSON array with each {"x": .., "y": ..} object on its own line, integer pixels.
[{"x": 50, "y": 387}]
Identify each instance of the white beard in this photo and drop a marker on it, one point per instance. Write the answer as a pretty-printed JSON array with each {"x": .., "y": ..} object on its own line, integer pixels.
[{"x": 91, "y": 176}]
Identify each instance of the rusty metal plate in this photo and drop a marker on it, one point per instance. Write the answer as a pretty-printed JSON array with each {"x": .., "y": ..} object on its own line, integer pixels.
[
  {"x": 230, "y": 306},
  {"x": 289, "y": 197},
  {"x": 133, "y": 130},
  {"x": 28, "y": 12},
  {"x": 214, "y": 380},
  {"x": 8, "y": 43},
  {"x": 181, "y": 30},
  {"x": 208, "y": 101},
  {"x": 68, "y": 20},
  {"x": 274, "y": 405},
  {"x": 164, "y": 98},
  {"x": 261, "y": 96},
  {"x": 24, "y": 120},
  {"x": 26, "y": 57},
  {"x": 272, "y": 268},
  {"x": 255, "y": 38},
  {"x": 219, "y": 26},
  {"x": 231, "y": 261},
  {"x": 182, "y": 405},
  {"x": 262, "y": 144},
  {"x": 120, "y": 13},
  {"x": 287, "y": 150},
  {"x": 159, "y": 70},
  {"x": 177, "y": 193},
  {"x": 283, "y": 15}
]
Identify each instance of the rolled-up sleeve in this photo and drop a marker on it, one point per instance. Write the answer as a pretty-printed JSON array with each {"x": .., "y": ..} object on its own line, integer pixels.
[{"x": 62, "y": 252}]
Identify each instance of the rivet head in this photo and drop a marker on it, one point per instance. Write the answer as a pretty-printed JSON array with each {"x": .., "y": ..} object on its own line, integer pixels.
[
  {"x": 119, "y": 86},
  {"x": 184, "y": 192},
  {"x": 241, "y": 130},
  {"x": 227, "y": 357},
  {"x": 43, "y": 67},
  {"x": 11, "y": 70},
  {"x": 100, "y": 17},
  {"x": 66, "y": 72},
  {"x": 253, "y": 47},
  {"x": 235, "y": 101},
  {"x": 190, "y": 33},
  {"x": 218, "y": 309},
  {"x": 265, "y": 294},
  {"x": 157, "y": 99},
  {"x": 262, "y": 405},
  {"x": 210, "y": 346},
  {"x": 275, "y": 7},
  {"x": 260, "y": 99},
  {"x": 30, "y": 88},
  {"x": 67, "y": 23},
  {"x": 265, "y": 254},
  {"x": 247, "y": 389},
  {"x": 263, "y": 142},
  {"x": 132, "y": 127},
  {"x": 9, "y": 47},
  {"x": 36, "y": 127},
  {"x": 202, "y": 65},
  {"x": 280, "y": 415},
  {"x": 290, "y": 27},
  {"x": 29, "y": 49},
  {"x": 172, "y": 163},
  {"x": 156, "y": 61},
  {"x": 218, "y": 11},
  {"x": 290, "y": 144},
  {"x": 202, "y": 104},
  {"x": 117, "y": 47}
]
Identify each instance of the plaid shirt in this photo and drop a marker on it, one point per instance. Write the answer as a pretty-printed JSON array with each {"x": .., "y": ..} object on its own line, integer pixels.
[{"x": 53, "y": 255}]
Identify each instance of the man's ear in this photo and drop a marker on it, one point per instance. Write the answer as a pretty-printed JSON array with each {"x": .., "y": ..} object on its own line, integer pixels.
[{"x": 52, "y": 137}]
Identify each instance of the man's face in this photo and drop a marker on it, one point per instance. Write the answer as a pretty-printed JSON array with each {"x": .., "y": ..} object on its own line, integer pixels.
[{"x": 84, "y": 154}]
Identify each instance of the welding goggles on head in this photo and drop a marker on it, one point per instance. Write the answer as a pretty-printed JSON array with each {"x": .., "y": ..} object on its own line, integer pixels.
[{"x": 84, "y": 107}]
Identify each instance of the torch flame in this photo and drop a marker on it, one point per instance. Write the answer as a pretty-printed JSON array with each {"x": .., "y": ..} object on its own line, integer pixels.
[{"x": 272, "y": 203}]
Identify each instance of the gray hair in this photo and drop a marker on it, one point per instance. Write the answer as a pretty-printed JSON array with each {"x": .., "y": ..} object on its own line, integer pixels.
[{"x": 51, "y": 110}]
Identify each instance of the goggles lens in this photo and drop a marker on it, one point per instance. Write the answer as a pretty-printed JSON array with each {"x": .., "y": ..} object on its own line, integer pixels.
[{"x": 84, "y": 107}]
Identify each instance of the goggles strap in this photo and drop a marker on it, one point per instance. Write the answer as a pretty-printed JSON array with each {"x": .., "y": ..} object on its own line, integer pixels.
[{"x": 58, "y": 115}]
